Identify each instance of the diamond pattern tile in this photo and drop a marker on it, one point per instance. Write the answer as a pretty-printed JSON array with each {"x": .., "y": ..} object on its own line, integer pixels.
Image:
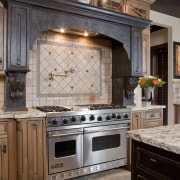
[{"x": 75, "y": 69}]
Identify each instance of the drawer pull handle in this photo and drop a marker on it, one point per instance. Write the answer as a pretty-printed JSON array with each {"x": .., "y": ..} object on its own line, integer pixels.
[
  {"x": 4, "y": 149},
  {"x": 0, "y": 60},
  {"x": 35, "y": 125},
  {"x": 153, "y": 160},
  {"x": 152, "y": 115}
]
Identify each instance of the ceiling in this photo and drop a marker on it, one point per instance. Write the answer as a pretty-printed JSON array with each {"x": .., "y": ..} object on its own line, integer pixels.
[{"x": 170, "y": 7}]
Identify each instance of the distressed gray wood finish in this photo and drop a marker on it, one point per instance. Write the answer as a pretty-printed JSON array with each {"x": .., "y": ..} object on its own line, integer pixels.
[
  {"x": 1, "y": 38},
  {"x": 28, "y": 18}
]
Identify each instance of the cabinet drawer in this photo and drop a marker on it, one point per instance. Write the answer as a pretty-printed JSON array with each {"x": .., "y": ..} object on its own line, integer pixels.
[
  {"x": 153, "y": 114},
  {"x": 136, "y": 115},
  {"x": 3, "y": 128},
  {"x": 157, "y": 165},
  {"x": 155, "y": 123}
]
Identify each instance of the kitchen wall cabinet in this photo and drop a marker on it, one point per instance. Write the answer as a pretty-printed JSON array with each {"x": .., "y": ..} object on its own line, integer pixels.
[
  {"x": 149, "y": 162},
  {"x": 30, "y": 149},
  {"x": 7, "y": 149}
]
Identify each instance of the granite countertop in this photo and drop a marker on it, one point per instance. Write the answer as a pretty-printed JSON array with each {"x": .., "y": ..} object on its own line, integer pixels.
[
  {"x": 30, "y": 113},
  {"x": 164, "y": 137},
  {"x": 140, "y": 108}
]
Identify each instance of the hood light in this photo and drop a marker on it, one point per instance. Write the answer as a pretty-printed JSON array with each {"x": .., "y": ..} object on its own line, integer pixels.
[
  {"x": 86, "y": 34},
  {"x": 62, "y": 30}
]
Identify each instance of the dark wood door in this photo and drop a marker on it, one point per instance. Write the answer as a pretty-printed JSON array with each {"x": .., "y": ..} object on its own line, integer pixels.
[{"x": 159, "y": 67}]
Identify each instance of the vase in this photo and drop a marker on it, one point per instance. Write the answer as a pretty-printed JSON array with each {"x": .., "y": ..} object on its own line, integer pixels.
[{"x": 148, "y": 94}]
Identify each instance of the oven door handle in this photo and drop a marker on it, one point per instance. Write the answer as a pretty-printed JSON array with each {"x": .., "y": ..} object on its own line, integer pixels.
[
  {"x": 100, "y": 130},
  {"x": 65, "y": 134}
]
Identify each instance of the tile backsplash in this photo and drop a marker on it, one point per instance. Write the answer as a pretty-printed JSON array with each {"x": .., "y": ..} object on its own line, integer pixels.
[{"x": 69, "y": 69}]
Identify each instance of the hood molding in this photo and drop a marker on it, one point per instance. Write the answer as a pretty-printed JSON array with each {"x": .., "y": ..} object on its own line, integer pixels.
[{"x": 26, "y": 19}]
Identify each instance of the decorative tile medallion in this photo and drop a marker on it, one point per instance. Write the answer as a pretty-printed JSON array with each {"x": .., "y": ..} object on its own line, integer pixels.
[{"x": 68, "y": 69}]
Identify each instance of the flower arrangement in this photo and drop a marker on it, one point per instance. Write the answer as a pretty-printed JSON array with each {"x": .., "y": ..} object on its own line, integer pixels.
[{"x": 150, "y": 81}]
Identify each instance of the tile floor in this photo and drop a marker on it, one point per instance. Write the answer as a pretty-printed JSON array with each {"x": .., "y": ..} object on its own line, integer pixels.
[{"x": 114, "y": 174}]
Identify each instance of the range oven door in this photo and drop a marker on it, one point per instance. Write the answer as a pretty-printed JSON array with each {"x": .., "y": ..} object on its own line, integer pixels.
[
  {"x": 105, "y": 143},
  {"x": 64, "y": 150}
]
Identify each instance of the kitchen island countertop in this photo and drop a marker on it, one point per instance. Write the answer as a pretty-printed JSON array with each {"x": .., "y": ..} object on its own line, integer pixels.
[{"x": 163, "y": 137}]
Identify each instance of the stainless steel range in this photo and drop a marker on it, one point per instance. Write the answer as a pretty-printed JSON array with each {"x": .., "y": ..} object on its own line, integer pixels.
[{"x": 85, "y": 140}]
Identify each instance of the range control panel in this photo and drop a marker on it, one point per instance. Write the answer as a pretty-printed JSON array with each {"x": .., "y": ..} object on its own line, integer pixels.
[{"x": 65, "y": 120}]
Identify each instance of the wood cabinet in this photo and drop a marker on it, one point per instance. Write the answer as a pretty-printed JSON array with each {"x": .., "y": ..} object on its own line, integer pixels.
[
  {"x": 151, "y": 163},
  {"x": 7, "y": 149},
  {"x": 146, "y": 51},
  {"x": 147, "y": 118},
  {"x": 30, "y": 149},
  {"x": 3, "y": 150}
]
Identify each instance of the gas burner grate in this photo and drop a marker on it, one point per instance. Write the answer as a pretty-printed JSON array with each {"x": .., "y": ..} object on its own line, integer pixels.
[
  {"x": 53, "y": 108},
  {"x": 102, "y": 106}
]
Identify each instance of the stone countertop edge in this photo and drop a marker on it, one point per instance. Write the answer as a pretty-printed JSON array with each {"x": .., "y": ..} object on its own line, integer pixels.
[
  {"x": 31, "y": 113},
  {"x": 140, "y": 108},
  {"x": 34, "y": 113},
  {"x": 163, "y": 137}
]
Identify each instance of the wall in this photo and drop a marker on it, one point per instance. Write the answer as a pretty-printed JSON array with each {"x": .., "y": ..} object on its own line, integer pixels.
[
  {"x": 159, "y": 37},
  {"x": 173, "y": 25},
  {"x": 82, "y": 68}
]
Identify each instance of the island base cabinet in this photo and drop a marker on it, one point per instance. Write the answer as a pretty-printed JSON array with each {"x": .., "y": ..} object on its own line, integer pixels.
[
  {"x": 30, "y": 149},
  {"x": 151, "y": 163}
]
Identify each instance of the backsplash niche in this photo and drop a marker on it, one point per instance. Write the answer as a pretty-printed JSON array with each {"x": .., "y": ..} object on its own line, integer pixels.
[{"x": 69, "y": 69}]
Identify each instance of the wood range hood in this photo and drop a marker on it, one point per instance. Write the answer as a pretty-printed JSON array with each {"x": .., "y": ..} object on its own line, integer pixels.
[{"x": 26, "y": 19}]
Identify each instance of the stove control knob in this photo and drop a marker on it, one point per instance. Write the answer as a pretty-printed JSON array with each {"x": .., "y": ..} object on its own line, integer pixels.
[
  {"x": 92, "y": 117},
  {"x": 119, "y": 116},
  {"x": 54, "y": 122},
  {"x": 108, "y": 117},
  {"x": 65, "y": 121},
  {"x": 126, "y": 116},
  {"x": 83, "y": 118},
  {"x": 73, "y": 119},
  {"x": 113, "y": 115},
  {"x": 99, "y": 118}
]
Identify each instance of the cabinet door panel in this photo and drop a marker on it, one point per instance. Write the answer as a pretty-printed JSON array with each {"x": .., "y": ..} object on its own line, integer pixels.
[
  {"x": 18, "y": 36},
  {"x": 1, "y": 37},
  {"x": 136, "y": 55},
  {"x": 35, "y": 150},
  {"x": 4, "y": 158},
  {"x": 146, "y": 51},
  {"x": 21, "y": 151},
  {"x": 136, "y": 120}
]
